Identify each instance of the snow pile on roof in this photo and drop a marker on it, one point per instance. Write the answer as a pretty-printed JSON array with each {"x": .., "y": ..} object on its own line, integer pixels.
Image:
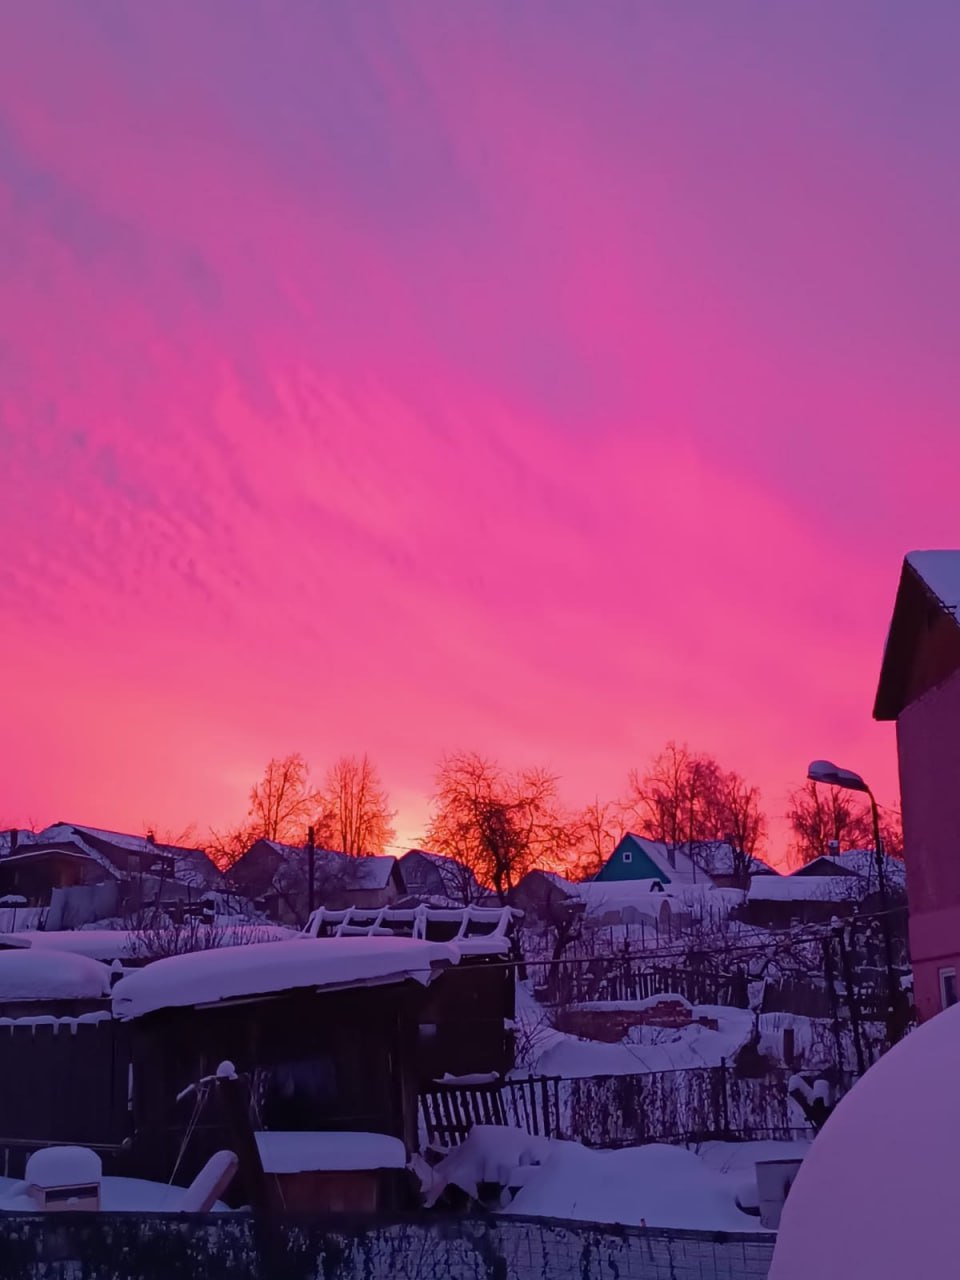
[
  {"x": 205, "y": 977},
  {"x": 940, "y": 570},
  {"x": 877, "y": 1196},
  {"x": 803, "y": 889},
  {"x": 190, "y": 866},
  {"x": 35, "y": 974},
  {"x": 719, "y": 858},
  {"x": 654, "y": 1185},
  {"x": 290, "y": 1152},
  {"x": 63, "y": 1167},
  {"x": 131, "y": 944}
]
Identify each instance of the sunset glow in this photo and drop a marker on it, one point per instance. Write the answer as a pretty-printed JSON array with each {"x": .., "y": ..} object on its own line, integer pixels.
[{"x": 550, "y": 380}]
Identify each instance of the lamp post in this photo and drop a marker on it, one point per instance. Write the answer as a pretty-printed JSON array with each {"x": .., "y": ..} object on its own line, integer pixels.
[{"x": 833, "y": 776}]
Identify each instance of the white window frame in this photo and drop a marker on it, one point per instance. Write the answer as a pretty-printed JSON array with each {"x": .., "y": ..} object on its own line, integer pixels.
[
  {"x": 628, "y": 855},
  {"x": 944, "y": 975}
]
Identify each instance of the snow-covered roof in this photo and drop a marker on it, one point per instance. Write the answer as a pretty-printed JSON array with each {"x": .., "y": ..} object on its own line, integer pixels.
[
  {"x": 940, "y": 570},
  {"x": 229, "y": 973},
  {"x": 876, "y": 1197},
  {"x": 367, "y": 871},
  {"x": 190, "y": 866},
  {"x": 36, "y": 974},
  {"x": 294, "y": 1152},
  {"x": 73, "y": 848},
  {"x": 472, "y": 930},
  {"x": 675, "y": 865},
  {"x": 803, "y": 889},
  {"x": 719, "y": 858},
  {"x": 863, "y": 862}
]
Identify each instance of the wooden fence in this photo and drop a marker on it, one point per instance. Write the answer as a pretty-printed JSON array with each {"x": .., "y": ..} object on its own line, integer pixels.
[
  {"x": 692, "y": 1105},
  {"x": 62, "y": 1081},
  {"x": 612, "y": 978}
]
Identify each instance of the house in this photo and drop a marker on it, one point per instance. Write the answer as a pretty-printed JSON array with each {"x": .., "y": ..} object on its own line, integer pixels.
[
  {"x": 724, "y": 864},
  {"x": 919, "y": 689},
  {"x": 781, "y": 902},
  {"x": 278, "y": 877},
  {"x": 863, "y": 864},
  {"x": 324, "y": 1032},
  {"x": 433, "y": 875},
  {"x": 637, "y": 858},
  {"x": 545, "y": 898},
  {"x": 81, "y": 874}
]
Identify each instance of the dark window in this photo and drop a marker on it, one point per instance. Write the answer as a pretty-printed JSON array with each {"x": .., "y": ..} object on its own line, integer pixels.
[{"x": 948, "y": 988}]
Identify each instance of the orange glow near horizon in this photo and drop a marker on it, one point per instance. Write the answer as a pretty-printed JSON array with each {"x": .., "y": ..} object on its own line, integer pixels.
[{"x": 548, "y": 381}]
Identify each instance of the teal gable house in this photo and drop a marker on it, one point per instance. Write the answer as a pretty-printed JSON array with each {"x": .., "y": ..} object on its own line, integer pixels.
[{"x": 636, "y": 858}]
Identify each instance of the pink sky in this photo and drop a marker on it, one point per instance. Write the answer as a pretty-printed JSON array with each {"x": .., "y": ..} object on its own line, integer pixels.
[{"x": 550, "y": 380}]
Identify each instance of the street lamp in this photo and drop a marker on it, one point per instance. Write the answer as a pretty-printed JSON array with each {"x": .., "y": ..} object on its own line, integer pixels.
[{"x": 833, "y": 776}]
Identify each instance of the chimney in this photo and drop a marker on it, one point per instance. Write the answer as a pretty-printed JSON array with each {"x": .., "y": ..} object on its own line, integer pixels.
[
  {"x": 14, "y": 838},
  {"x": 151, "y": 838},
  {"x": 833, "y": 848}
]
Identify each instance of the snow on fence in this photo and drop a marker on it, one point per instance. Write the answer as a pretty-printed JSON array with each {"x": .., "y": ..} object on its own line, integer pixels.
[
  {"x": 691, "y": 1105},
  {"x": 493, "y": 1248}
]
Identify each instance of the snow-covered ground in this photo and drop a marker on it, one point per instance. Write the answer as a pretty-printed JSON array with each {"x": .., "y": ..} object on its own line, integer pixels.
[{"x": 654, "y": 1186}]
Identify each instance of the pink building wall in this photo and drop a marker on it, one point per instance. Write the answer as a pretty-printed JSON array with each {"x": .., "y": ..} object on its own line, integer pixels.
[{"x": 928, "y": 742}]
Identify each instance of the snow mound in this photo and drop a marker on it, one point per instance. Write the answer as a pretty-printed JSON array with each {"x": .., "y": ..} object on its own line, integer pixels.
[
  {"x": 877, "y": 1194},
  {"x": 35, "y": 974},
  {"x": 63, "y": 1167},
  {"x": 654, "y": 1186},
  {"x": 205, "y": 977}
]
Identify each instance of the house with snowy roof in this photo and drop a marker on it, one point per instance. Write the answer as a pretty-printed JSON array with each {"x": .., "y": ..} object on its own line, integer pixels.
[
  {"x": 706, "y": 862},
  {"x": 277, "y": 877},
  {"x": 434, "y": 875},
  {"x": 919, "y": 689},
  {"x": 76, "y": 874}
]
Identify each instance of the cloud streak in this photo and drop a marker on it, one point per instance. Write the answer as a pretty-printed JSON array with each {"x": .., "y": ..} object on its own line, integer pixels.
[{"x": 426, "y": 377}]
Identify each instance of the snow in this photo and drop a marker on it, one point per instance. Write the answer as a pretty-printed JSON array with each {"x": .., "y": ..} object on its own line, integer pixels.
[
  {"x": 647, "y": 1048},
  {"x": 205, "y": 977},
  {"x": 803, "y": 889},
  {"x": 129, "y": 944},
  {"x": 940, "y": 570},
  {"x": 34, "y": 974},
  {"x": 117, "y": 1195},
  {"x": 63, "y": 1167},
  {"x": 306, "y": 1152},
  {"x": 479, "y": 930},
  {"x": 864, "y": 863},
  {"x": 876, "y": 1197},
  {"x": 367, "y": 871},
  {"x": 655, "y": 1186}
]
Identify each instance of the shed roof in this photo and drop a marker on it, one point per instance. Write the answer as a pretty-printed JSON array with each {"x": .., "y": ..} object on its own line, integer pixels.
[{"x": 231, "y": 973}]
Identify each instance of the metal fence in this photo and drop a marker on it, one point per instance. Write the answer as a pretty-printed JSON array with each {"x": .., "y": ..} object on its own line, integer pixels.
[
  {"x": 235, "y": 1247},
  {"x": 693, "y": 1105}
]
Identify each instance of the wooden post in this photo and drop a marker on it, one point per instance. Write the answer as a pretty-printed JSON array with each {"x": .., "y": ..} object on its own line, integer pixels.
[
  {"x": 311, "y": 860},
  {"x": 236, "y": 1103}
]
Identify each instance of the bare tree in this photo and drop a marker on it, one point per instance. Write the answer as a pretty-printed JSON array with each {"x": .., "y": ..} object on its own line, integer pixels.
[
  {"x": 497, "y": 823},
  {"x": 819, "y": 815},
  {"x": 677, "y": 800},
  {"x": 598, "y": 828},
  {"x": 742, "y": 822},
  {"x": 356, "y": 810},
  {"x": 283, "y": 804}
]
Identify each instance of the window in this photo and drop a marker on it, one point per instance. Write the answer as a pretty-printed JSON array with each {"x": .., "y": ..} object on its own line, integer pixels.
[
  {"x": 627, "y": 855},
  {"x": 948, "y": 988}
]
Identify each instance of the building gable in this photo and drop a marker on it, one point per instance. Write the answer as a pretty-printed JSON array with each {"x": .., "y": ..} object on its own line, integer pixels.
[
  {"x": 631, "y": 861},
  {"x": 923, "y": 643}
]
